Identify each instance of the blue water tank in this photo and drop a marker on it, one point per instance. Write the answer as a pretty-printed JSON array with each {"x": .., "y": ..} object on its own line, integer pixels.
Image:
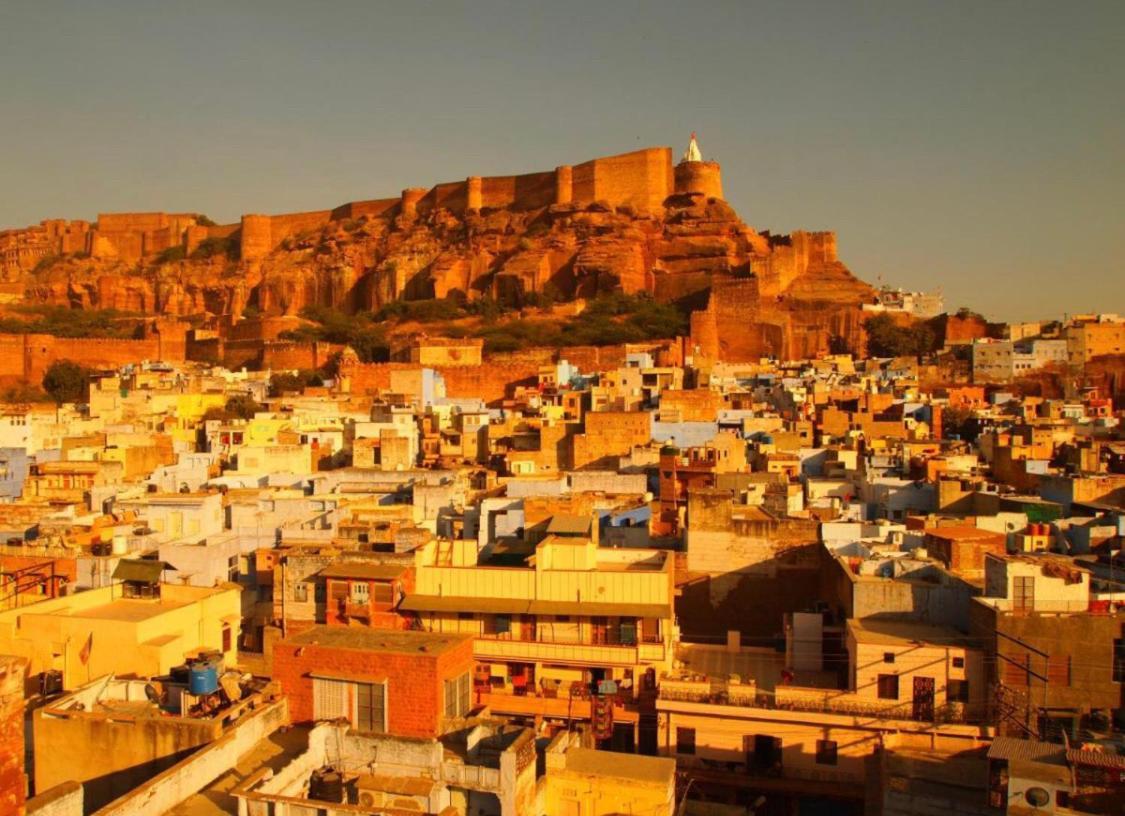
[{"x": 203, "y": 676}]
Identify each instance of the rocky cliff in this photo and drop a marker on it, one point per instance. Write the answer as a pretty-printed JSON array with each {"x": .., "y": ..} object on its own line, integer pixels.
[{"x": 753, "y": 293}]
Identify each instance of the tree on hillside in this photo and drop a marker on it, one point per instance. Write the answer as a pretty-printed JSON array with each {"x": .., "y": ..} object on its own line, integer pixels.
[
  {"x": 885, "y": 338},
  {"x": 67, "y": 381}
]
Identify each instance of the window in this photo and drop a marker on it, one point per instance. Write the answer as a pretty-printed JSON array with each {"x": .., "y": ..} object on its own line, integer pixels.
[
  {"x": 330, "y": 699},
  {"x": 1119, "y": 661},
  {"x": 300, "y": 592},
  {"x": 767, "y": 752},
  {"x": 458, "y": 696},
  {"x": 888, "y": 686},
  {"x": 232, "y": 568},
  {"x": 226, "y": 637},
  {"x": 628, "y": 635},
  {"x": 370, "y": 707},
  {"x": 685, "y": 740},
  {"x": 958, "y": 662},
  {"x": 359, "y": 592},
  {"x": 957, "y": 691},
  {"x": 503, "y": 624},
  {"x": 826, "y": 752},
  {"x": 383, "y": 594},
  {"x": 888, "y": 657},
  {"x": 364, "y": 705}
]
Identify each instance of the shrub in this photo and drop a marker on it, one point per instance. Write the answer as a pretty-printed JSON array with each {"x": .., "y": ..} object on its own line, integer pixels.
[
  {"x": 170, "y": 255},
  {"x": 885, "y": 338},
  {"x": 67, "y": 381},
  {"x": 210, "y": 247}
]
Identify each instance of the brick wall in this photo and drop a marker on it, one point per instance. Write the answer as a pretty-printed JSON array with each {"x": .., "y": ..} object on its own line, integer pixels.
[{"x": 415, "y": 693}]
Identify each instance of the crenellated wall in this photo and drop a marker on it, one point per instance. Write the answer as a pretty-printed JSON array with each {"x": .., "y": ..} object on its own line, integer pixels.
[
  {"x": 641, "y": 179},
  {"x": 27, "y": 357}
]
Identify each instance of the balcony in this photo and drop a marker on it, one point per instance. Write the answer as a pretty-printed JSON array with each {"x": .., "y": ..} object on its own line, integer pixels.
[
  {"x": 501, "y": 648},
  {"x": 813, "y": 700},
  {"x": 471, "y": 777},
  {"x": 561, "y": 705},
  {"x": 722, "y": 692}
]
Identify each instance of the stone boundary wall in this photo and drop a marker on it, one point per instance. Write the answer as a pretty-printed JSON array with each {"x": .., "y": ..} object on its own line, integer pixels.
[
  {"x": 184, "y": 779},
  {"x": 28, "y": 356}
]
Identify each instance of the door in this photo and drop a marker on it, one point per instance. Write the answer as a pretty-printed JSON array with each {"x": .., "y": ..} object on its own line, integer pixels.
[
  {"x": 924, "y": 698},
  {"x": 528, "y": 628},
  {"x": 598, "y": 630},
  {"x": 338, "y": 597},
  {"x": 1023, "y": 593},
  {"x": 767, "y": 754}
]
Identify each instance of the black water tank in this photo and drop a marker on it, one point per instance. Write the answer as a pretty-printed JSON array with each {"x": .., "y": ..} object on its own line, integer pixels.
[{"x": 326, "y": 785}]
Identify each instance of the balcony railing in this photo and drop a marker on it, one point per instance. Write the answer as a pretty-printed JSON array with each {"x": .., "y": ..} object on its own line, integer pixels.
[
  {"x": 558, "y": 703},
  {"x": 723, "y": 692},
  {"x": 821, "y": 701},
  {"x": 474, "y": 777},
  {"x": 1093, "y": 606},
  {"x": 531, "y": 651}
]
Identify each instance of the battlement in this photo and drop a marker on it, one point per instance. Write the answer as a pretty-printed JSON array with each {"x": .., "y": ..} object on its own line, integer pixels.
[{"x": 641, "y": 179}]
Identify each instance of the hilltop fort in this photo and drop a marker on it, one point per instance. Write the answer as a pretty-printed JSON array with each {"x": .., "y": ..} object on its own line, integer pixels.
[{"x": 635, "y": 222}]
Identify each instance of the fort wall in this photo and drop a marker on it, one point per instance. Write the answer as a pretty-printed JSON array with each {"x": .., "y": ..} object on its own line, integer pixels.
[
  {"x": 28, "y": 356},
  {"x": 641, "y": 179}
]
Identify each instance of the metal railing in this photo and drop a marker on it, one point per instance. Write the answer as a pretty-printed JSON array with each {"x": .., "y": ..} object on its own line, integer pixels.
[{"x": 820, "y": 701}]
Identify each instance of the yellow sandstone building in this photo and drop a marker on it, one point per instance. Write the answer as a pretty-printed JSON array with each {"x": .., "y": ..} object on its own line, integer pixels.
[{"x": 120, "y": 630}]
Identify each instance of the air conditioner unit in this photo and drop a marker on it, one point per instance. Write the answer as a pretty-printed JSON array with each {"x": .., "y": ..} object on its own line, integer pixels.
[{"x": 370, "y": 799}]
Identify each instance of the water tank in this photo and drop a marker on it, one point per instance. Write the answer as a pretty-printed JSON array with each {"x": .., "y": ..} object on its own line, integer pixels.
[
  {"x": 203, "y": 676},
  {"x": 120, "y": 545},
  {"x": 326, "y": 785}
]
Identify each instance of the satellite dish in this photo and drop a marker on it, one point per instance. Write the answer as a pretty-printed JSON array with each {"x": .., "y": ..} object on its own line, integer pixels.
[{"x": 1037, "y": 797}]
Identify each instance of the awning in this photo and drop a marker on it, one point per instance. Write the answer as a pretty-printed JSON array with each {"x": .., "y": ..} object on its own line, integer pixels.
[
  {"x": 140, "y": 569},
  {"x": 588, "y": 609}
]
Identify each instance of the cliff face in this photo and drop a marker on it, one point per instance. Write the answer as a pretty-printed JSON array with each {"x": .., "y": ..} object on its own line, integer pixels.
[{"x": 753, "y": 293}]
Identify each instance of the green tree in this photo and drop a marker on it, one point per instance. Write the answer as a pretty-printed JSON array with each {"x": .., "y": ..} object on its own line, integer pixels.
[
  {"x": 886, "y": 338},
  {"x": 242, "y": 406},
  {"x": 67, "y": 381},
  {"x": 284, "y": 382}
]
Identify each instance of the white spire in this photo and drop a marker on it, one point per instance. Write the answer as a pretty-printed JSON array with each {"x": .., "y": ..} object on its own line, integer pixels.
[{"x": 692, "y": 153}]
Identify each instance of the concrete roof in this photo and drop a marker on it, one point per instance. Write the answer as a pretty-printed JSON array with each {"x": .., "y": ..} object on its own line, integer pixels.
[
  {"x": 633, "y": 767},
  {"x": 378, "y": 640},
  {"x": 902, "y": 633},
  {"x": 362, "y": 569}
]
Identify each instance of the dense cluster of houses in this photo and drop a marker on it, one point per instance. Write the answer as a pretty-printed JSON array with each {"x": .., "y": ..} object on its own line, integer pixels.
[{"x": 757, "y": 588}]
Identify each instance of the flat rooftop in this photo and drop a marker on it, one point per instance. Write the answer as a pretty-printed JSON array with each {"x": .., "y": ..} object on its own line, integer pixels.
[
  {"x": 378, "y": 640},
  {"x": 904, "y": 633},
  {"x": 632, "y": 767},
  {"x": 127, "y": 610}
]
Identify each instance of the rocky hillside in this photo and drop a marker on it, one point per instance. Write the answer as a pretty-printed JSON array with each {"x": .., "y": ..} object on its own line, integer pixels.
[{"x": 689, "y": 254}]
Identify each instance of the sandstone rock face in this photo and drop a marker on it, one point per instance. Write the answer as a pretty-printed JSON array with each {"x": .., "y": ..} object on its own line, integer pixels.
[{"x": 754, "y": 293}]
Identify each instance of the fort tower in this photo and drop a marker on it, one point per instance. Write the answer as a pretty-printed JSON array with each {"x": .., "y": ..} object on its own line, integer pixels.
[{"x": 694, "y": 175}]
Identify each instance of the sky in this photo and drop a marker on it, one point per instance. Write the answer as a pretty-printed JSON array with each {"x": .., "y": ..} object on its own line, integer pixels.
[{"x": 978, "y": 147}]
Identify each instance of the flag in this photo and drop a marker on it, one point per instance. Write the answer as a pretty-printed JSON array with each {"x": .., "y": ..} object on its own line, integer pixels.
[{"x": 84, "y": 652}]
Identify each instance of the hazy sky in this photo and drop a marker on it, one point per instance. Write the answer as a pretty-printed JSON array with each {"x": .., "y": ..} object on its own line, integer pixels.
[{"x": 976, "y": 146}]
